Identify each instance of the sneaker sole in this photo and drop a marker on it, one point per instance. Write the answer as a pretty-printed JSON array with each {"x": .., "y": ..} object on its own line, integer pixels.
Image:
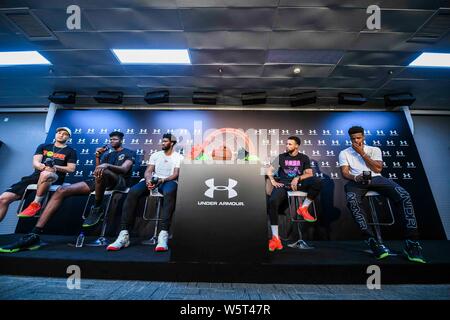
[
  {"x": 161, "y": 249},
  {"x": 383, "y": 256},
  {"x": 25, "y": 216},
  {"x": 90, "y": 225},
  {"x": 413, "y": 259},
  {"x": 17, "y": 250},
  {"x": 116, "y": 248}
]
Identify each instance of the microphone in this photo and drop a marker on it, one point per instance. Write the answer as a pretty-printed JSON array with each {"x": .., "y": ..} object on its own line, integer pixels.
[{"x": 105, "y": 148}]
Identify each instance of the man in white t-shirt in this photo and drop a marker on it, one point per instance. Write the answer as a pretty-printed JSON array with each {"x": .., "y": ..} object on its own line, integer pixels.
[
  {"x": 162, "y": 173},
  {"x": 354, "y": 162}
]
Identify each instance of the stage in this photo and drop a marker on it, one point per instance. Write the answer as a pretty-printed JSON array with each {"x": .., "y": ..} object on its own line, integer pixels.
[{"x": 331, "y": 262}]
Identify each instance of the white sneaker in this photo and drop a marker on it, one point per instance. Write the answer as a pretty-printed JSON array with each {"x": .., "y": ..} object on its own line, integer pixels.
[
  {"x": 122, "y": 241},
  {"x": 162, "y": 241}
]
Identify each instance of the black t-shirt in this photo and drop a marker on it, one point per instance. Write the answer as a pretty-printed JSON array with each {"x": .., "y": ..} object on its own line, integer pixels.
[
  {"x": 117, "y": 158},
  {"x": 288, "y": 167},
  {"x": 60, "y": 156}
]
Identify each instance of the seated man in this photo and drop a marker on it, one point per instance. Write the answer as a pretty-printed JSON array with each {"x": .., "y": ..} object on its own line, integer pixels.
[
  {"x": 353, "y": 162},
  {"x": 294, "y": 173},
  {"x": 113, "y": 172},
  {"x": 51, "y": 163},
  {"x": 165, "y": 167}
]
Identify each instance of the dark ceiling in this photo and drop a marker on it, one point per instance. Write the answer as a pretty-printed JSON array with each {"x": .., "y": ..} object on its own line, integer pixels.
[{"x": 256, "y": 43}]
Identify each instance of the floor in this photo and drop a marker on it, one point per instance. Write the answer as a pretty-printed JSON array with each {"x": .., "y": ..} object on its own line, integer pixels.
[{"x": 30, "y": 288}]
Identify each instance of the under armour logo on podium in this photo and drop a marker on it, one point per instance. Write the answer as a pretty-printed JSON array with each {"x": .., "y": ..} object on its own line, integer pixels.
[
  {"x": 77, "y": 131},
  {"x": 130, "y": 131},
  {"x": 403, "y": 143},
  {"x": 143, "y": 131},
  {"x": 339, "y": 132},
  {"x": 103, "y": 131},
  {"x": 307, "y": 142},
  {"x": 90, "y": 131},
  {"x": 299, "y": 132},
  {"x": 231, "y": 192},
  {"x": 326, "y": 133}
]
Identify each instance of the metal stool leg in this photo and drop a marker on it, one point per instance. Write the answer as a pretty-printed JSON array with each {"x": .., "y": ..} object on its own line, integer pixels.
[
  {"x": 102, "y": 241},
  {"x": 300, "y": 243},
  {"x": 154, "y": 239},
  {"x": 376, "y": 223}
]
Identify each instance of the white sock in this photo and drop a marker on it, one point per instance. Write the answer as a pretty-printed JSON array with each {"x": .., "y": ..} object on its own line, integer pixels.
[
  {"x": 39, "y": 199},
  {"x": 306, "y": 203},
  {"x": 274, "y": 230}
]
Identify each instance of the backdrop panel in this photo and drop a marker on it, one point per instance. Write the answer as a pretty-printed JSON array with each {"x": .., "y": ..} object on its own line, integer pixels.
[{"x": 323, "y": 135}]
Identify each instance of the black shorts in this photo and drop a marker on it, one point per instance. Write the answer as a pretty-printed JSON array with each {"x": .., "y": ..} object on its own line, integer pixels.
[
  {"x": 120, "y": 185},
  {"x": 19, "y": 187}
]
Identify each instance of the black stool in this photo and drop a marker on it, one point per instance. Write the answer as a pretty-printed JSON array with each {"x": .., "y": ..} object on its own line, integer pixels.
[
  {"x": 33, "y": 187},
  {"x": 102, "y": 241},
  {"x": 159, "y": 197}
]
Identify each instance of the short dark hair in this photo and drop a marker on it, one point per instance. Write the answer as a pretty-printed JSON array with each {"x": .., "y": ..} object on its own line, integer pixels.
[
  {"x": 116, "y": 134},
  {"x": 171, "y": 137},
  {"x": 355, "y": 129},
  {"x": 296, "y": 139}
]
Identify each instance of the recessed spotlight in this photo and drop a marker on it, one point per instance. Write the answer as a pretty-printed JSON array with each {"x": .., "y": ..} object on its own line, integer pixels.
[{"x": 297, "y": 70}]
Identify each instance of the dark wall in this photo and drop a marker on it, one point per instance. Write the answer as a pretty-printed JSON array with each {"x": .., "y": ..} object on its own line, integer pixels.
[
  {"x": 21, "y": 133},
  {"x": 323, "y": 135}
]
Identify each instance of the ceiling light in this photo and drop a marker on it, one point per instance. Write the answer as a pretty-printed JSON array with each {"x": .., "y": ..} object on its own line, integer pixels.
[
  {"x": 12, "y": 58},
  {"x": 429, "y": 59},
  {"x": 144, "y": 56}
]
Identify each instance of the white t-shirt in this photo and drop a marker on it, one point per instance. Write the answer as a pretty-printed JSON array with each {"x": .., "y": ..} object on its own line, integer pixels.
[
  {"x": 165, "y": 165},
  {"x": 349, "y": 157}
]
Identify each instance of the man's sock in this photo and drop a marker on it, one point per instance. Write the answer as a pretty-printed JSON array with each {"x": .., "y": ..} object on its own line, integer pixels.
[
  {"x": 306, "y": 203},
  {"x": 98, "y": 203},
  {"x": 37, "y": 230},
  {"x": 274, "y": 230},
  {"x": 39, "y": 199}
]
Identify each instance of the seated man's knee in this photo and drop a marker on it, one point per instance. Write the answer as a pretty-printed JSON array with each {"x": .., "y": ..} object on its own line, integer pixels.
[{"x": 62, "y": 192}]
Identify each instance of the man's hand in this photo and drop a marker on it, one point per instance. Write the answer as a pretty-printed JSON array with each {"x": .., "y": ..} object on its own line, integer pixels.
[
  {"x": 358, "y": 178},
  {"x": 294, "y": 183},
  {"x": 276, "y": 184},
  {"x": 98, "y": 172},
  {"x": 100, "y": 151},
  {"x": 42, "y": 167},
  {"x": 49, "y": 169},
  {"x": 358, "y": 148}
]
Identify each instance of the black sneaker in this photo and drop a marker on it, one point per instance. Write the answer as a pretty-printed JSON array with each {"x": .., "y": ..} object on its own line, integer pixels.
[
  {"x": 380, "y": 251},
  {"x": 94, "y": 217},
  {"x": 29, "y": 241},
  {"x": 413, "y": 251}
]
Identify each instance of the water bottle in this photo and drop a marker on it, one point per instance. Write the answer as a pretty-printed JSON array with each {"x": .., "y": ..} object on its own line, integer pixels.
[{"x": 80, "y": 240}]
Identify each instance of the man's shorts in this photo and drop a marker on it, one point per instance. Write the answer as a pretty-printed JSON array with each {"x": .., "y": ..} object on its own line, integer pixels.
[
  {"x": 120, "y": 185},
  {"x": 19, "y": 187}
]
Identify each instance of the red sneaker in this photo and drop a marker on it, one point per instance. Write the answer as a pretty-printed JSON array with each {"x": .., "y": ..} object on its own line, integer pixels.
[
  {"x": 30, "y": 211},
  {"x": 275, "y": 244},
  {"x": 303, "y": 211}
]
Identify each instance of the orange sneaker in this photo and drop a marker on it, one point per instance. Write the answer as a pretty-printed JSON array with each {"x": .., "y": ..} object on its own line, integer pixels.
[
  {"x": 30, "y": 211},
  {"x": 275, "y": 244},
  {"x": 303, "y": 211}
]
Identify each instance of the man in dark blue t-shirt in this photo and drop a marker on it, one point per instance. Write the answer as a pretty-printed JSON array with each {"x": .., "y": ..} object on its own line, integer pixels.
[
  {"x": 290, "y": 171},
  {"x": 113, "y": 171}
]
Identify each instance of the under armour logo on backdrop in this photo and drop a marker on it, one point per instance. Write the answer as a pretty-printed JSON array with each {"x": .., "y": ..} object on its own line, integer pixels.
[{"x": 231, "y": 192}]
